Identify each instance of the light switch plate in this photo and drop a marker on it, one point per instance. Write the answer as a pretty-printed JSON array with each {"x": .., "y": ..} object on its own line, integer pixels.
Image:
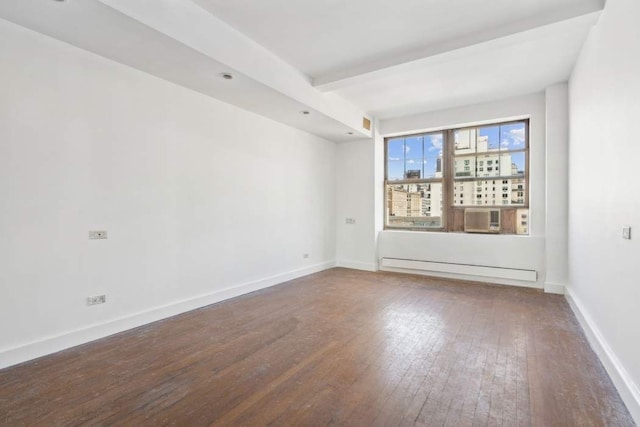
[{"x": 626, "y": 233}]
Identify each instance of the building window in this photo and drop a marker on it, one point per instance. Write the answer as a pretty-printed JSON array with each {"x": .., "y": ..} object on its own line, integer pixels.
[{"x": 434, "y": 165}]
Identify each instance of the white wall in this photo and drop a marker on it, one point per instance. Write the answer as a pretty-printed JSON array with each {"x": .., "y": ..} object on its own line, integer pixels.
[
  {"x": 201, "y": 200},
  {"x": 355, "y": 199},
  {"x": 521, "y": 252},
  {"x": 604, "y": 194},
  {"x": 557, "y": 182},
  {"x": 359, "y": 195}
]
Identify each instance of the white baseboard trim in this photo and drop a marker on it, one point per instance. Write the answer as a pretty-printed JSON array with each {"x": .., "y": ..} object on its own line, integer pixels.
[
  {"x": 554, "y": 288},
  {"x": 628, "y": 390},
  {"x": 357, "y": 265},
  {"x": 53, "y": 344}
]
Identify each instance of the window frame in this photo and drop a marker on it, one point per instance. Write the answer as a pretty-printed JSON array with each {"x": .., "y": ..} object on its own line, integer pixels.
[
  {"x": 448, "y": 179},
  {"x": 415, "y": 181}
]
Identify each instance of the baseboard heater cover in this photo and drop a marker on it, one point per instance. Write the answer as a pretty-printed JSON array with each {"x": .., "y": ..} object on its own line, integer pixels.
[{"x": 466, "y": 269}]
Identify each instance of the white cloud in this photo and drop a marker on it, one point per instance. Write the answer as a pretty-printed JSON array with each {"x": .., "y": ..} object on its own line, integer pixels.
[
  {"x": 410, "y": 162},
  {"x": 407, "y": 148},
  {"x": 436, "y": 143},
  {"x": 515, "y": 138},
  {"x": 394, "y": 159}
]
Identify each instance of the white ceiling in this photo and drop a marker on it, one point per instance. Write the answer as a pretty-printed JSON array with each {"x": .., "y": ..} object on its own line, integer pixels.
[
  {"x": 339, "y": 59},
  {"x": 335, "y": 37}
]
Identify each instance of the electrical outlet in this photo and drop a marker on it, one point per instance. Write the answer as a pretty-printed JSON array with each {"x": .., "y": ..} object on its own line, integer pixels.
[
  {"x": 97, "y": 234},
  {"x": 98, "y": 299},
  {"x": 305, "y": 255},
  {"x": 351, "y": 221},
  {"x": 626, "y": 233}
]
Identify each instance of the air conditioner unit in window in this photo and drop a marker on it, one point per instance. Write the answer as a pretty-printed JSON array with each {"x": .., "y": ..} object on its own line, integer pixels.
[{"x": 478, "y": 220}]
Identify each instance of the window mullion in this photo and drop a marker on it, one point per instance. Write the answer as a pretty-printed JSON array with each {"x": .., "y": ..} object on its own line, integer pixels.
[{"x": 447, "y": 160}]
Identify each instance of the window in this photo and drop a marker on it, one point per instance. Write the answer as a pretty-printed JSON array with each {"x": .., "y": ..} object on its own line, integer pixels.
[
  {"x": 414, "y": 178},
  {"x": 435, "y": 165}
]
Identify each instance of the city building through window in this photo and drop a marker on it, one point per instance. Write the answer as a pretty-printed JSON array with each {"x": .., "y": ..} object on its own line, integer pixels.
[{"x": 431, "y": 178}]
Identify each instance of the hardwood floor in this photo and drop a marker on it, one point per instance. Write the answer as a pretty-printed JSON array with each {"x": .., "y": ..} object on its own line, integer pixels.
[{"x": 339, "y": 347}]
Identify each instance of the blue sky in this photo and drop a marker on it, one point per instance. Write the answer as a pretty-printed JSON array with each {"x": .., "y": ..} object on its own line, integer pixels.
[
  {"x": 507, "y": 137},
  {"x": 416, "y": 152}
]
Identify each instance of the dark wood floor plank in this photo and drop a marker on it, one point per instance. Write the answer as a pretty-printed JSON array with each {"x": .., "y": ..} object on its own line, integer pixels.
[{"x": 341, "y": 347}]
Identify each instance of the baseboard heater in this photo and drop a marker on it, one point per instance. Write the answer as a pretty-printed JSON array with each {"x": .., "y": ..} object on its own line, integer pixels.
[{"x": 466, "y": 269}]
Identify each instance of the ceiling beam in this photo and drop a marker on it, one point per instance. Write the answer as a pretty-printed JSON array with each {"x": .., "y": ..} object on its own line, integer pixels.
[{"x": 195, "y": 27}]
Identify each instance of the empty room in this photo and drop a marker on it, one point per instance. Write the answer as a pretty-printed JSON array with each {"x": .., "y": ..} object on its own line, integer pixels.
[{"x": 297, "y": 213}]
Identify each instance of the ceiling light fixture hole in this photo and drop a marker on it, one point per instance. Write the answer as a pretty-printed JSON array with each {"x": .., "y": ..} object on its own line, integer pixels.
[{"x": 227, "y": 76}]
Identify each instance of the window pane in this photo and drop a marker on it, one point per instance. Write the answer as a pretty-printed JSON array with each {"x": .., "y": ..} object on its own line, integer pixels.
[
  {"x": 465, "y": 141},
  {"x": 432, "y": 163},
  {"x": 485, "y": 192},
  {"x": 512, "y": 136},
  {"x": 464, "y": 166},
  {"x": 414, "y": 205},
  {"x": 490, "y": 192},
  {"x": 395, "y": 159},
  {"x": 512, "y": 164},
  {"x": 488, "y": 139},
  {"x": 413, "y": 157}
]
